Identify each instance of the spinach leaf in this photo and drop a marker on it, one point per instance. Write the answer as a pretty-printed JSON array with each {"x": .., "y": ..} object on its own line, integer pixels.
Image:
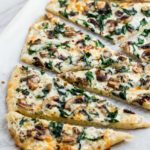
[
  {"x": 76, "y": 91},
  {"x": 146, "y": 12},
  {"x": 89, "y": 76},
  {"x": 85, "y": 58},
  {"x": 62, "y": 3},
  {"x": 23, "y": 91},
  {"x": 48, "y": 65},
  {"x": 143, "y": 22},
  {"x": 140, "y": 41},
  {"x": 30, "y": 51},
  {"x": 26, "y": 68},
  {"x": 99, "y": 44},
  {"x": 59, "y": 29},
  {"x": 112, "y": 116},
  {"x": 130, "y": 12},
  {"x": 22, "y": 121},
  {"x": 107, "y": 61},
  {"x": 56, "y": 128},
  {"x": 146, "y": 32},
  {"x": 65, "y": 13},
  {"x": 70, "y": 59}
]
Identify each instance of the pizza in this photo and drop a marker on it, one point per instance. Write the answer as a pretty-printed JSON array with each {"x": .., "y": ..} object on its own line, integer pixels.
[
  {"x": 139, "y": 47},
  {"x": 35, "y": 94},
  {"x": 113, "y": 21},
  {"x": 34, "y": 133},
  {"x": 132, "y": 86},
  {"x": 53, "y": 45}
]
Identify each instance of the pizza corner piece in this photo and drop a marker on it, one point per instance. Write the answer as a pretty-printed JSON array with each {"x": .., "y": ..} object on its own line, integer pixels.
[
  {"x": 32, "y": 134},
  {"x": 111, "y": 20},
  {"x": 34, "y": 93},
  {"x": 123, "y": 85}
]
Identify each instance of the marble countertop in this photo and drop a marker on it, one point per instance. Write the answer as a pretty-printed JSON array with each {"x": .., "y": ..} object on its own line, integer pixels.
[{"x": 8, "y": 9}]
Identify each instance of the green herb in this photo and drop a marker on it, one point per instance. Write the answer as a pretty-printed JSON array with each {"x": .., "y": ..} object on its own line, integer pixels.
[
  {"x": 130, "y": 12},
  {"x": 118, "y": 31},
  {"x": 99, "y": 44},
  {"x": 109, "y": 37},
  {"x": 146, "y": 32},
  {"x": 34, "y": 120},
  {"x": 22, "y": 121},
  {"x": 63, "y": 45},
  {"x": 65, "y": 14},
  {"x": 123, "y": 69},
  {"x": 123, "y": 94},
  {"x": 45, "y": 25},
  {"x": 107, "y": 61},
  {"x": 62, "y": 3},
  {"x": 76, "y": 91},
  {"x": 70, "y": 59},
  {"x": 85, "y": 58},
  {"x": 45, "y": 92},
  {"x": 26, "y": 68},
  {"x": 58, "y": 65},
  {"x": 59, "y": 29},
  {"x": 30, "y": 51},
  {"x": 85, "y": 23},
  {"x": 48, "y": 65},
  {"x": 89, "y": 76},
  {"x": 87, "y": 37},
  {"x": 42, "y": 72},
  {"x": 146, "y": 12},
  {"x": 143, "y": 22},
  {"x": 112, "y": 116},
  {"x": 140, "y": 41},
  {"x": 64, "y": 113},
  {"x": 56, "y": 128},
  {"x": 87, "y": 114},
  {"x": 23, "y": 91},
  {"x": 60, "y": 89}
]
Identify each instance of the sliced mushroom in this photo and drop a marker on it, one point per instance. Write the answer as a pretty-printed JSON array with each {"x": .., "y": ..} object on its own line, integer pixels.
[
  {"x": 107, "y": 54},
  {"x": 70, "y": 139},
  {"x": 33, "y": 82},
  {"x": 118, "y": 13},
  {"x": 44, "y": 53},
  {"x": 34, "y": 41},
  {"x": 22, "y": 103},
  {"x": 101, "y": 75},
  {"x": 146, "y": 55},
  {"x": 37, "y": 62},
  {"x": 77, "y": 99},
  {"x": 125, "y": 19},
  {"x": 142, "y": 99},
  {"x": 138, "y": 68},
  {"x": 69, "y": 32},
  {"x": 114, "y": 83},
  {"x": 145, "y": 82},
  {"x": 111, "y": 25}
]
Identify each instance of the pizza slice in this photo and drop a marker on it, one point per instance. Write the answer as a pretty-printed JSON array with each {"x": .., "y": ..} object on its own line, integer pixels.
[
  {"x": 35, "y": 94},
  {"x": 118, "y": 83},
  {"x": 53, "y": 45},
  {"x": 139, "y": 47},
  {"x": 114, "y": 21},
  {"x": 34, "y": 133}
]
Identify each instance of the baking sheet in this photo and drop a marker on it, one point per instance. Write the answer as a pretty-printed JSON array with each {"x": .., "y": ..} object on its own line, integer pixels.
[{"x": 11, "y": 43}]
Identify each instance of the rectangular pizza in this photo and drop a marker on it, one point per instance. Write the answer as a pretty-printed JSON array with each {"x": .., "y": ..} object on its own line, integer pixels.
[
  {"x": 114, "y": 21},
  {"x": 55, "y": 46},
  {"x": 34, "y": 93},
  {"x": 39, "y": 134},
  {"x": 129, "y": 84}
]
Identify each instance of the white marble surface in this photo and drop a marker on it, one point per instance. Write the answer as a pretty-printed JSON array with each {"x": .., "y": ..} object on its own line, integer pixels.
[{"x": 8, "y": 9}]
